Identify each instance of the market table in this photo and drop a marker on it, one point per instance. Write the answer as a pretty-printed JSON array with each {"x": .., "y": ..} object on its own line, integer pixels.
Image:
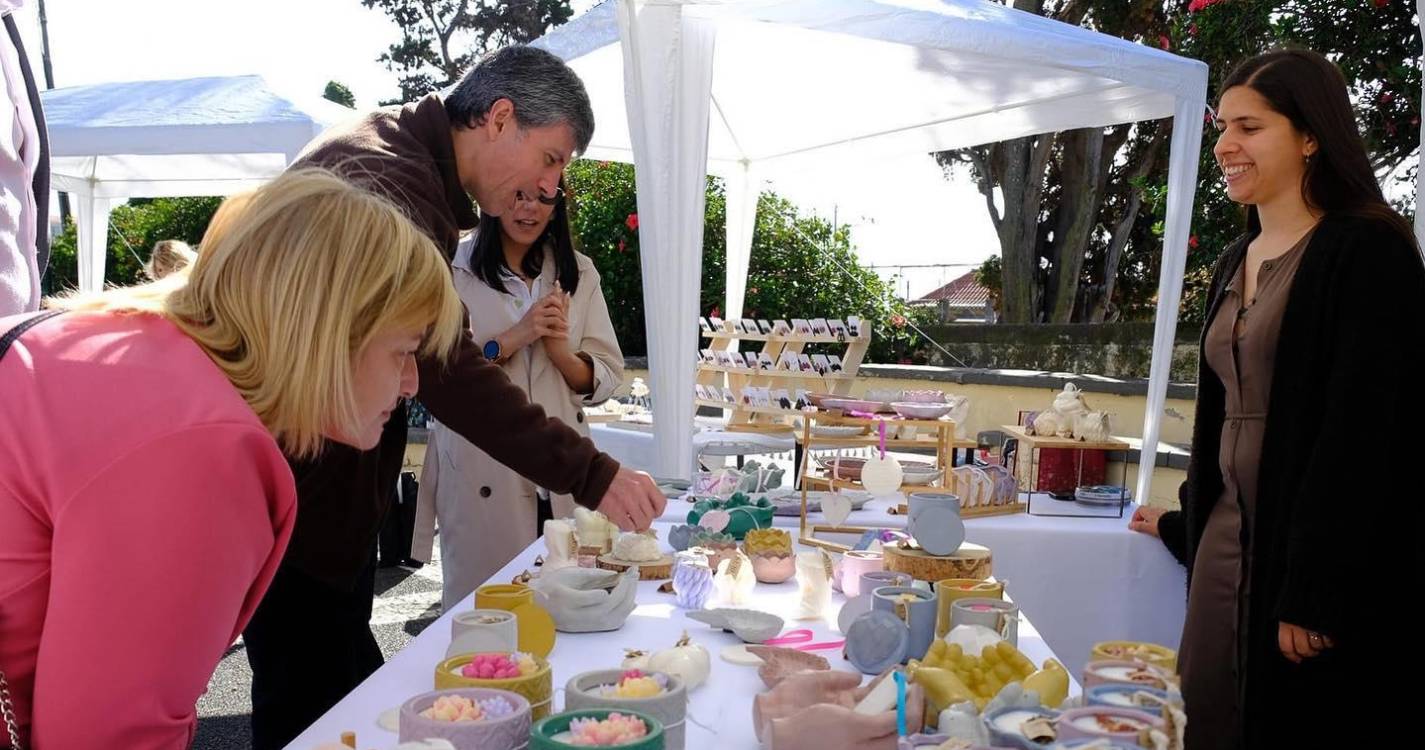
[
  {"x": 720, "y": 711},
  {"x": 1082, "y": 580}
]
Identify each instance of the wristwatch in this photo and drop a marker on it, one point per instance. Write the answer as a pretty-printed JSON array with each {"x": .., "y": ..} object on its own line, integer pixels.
[{"x": 492, "y": 350}]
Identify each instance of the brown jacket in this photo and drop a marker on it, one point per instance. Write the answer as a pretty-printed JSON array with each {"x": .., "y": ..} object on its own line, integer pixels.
[{"x": 407, "y": 155}]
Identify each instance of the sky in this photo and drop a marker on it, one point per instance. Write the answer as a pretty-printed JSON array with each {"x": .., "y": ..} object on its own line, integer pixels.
[{"x": 902, "y": 212}]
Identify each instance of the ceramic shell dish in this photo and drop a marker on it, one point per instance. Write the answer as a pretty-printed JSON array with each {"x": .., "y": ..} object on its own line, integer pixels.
[
  {"x": 913, "y": 410},
  {"x": 748, "y": 624},
  {"x": 583, "y": 600},
  {"x": 669, "y": 707},
  {"x": 503, "y": 733}
]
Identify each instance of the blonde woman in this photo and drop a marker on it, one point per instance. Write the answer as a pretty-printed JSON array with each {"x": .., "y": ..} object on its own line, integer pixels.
[
  {"x": 144, "y": 495},
  {"x": 538, "y": 309},
  {"x": 167, "y": 258}
]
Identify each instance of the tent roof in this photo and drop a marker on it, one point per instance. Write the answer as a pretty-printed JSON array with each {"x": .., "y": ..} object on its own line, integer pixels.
[
  {"x": 801, "y": 82},
  {"x": 196, "y": 136}
]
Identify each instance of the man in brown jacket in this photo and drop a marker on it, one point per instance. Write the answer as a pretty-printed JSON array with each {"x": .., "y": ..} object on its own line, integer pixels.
[{"x": 508, "y": 128}]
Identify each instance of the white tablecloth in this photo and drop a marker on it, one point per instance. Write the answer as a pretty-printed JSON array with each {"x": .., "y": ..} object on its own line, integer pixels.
[
  {"x": 720, "y": 711},
  {"x": 1082, "y": 580}
]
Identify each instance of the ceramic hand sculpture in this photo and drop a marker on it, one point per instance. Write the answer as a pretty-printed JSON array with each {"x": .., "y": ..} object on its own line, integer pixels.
[
  {"x": 815, "y": 711},
  {"x": 585, "y": 600}
]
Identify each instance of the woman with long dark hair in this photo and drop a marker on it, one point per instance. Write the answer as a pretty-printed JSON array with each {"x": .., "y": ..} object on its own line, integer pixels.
[
  {"x": 538, "y": 308},
  {"x": 1312, "y": 350}
]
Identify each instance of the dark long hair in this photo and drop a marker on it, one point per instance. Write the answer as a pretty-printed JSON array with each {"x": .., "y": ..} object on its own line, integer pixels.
[
  {"x": 487, "y": 258},
  {"x": 1309, "y": 90}
]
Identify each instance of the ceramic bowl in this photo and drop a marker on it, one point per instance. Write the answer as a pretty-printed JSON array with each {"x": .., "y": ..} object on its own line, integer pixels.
[
  {"x": 919, "y": 473},
  {"x": 750, "y": 625},
  {"x": 537, "y": 688},
  {"x": 669, "y": 707},
  {"x": 773, "y": 567},
  {"x": 1150, "y": 653},
  {"x": 916, "y": 410},
  {"x": 546, "y": 734},
  {"x": 1003, "y": 725},
  {"x": 504, "y": 733},
  {"x": 851, "y": 404},
  {"x": 927, "y": 396},
  {"x": 844, "y": 467},
  {"x": 1079, "y": 723},
  {"x": 1121, "y": 696},
  {"x": 1116, "y": 672}
]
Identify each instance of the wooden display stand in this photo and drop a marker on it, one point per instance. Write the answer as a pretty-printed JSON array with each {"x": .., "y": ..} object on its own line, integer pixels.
[
  {"x": 943, "y": 440},
  {"x": 1027, "y": 459},
  {"x": 745, "y": 417}
]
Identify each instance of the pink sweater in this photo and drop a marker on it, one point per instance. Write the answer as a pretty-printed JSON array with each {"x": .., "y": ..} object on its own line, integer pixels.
[{"x": 143, "y": 512}]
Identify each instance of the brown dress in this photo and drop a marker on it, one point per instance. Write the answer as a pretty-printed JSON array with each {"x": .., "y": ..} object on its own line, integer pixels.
[{"x": 1240, "y": 347}]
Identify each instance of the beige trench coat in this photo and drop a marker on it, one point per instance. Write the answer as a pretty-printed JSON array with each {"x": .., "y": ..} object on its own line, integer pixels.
[{"x": 487, "y": 512}]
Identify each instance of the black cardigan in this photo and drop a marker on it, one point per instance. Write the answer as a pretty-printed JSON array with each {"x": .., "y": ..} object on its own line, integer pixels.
[{"x": 1337, "y": 508}]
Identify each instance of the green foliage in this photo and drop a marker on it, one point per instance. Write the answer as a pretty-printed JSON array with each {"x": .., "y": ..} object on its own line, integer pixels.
[
  {"x": 339, "y": 93},
  {"x": 441, "y": 38},
  {"x": 801, "y": 267},
  {"x": 133, "y": 230}
]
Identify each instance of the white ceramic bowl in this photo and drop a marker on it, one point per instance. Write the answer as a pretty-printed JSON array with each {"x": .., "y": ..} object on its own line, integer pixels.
[{"x": 920, "y": 410}]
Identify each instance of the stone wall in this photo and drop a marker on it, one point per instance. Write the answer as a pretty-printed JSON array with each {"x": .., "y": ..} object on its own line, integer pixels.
[{"x": 1118, "y": 350}]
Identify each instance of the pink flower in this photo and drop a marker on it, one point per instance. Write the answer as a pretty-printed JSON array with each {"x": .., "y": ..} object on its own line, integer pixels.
[
  {"x": 1192, "y": 30},
  {"x": 898, "y": 321},
  {"x": 1164, "y": 41},
  {"x": 1192, "y": 242},
  {"x": 1197, "y": 5},
  {"x": 620, "y": 245},
  {"x": 632, "y": 222}
]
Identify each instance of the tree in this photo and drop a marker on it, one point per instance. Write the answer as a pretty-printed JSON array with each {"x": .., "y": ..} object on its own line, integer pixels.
[
  {"x": 801, "y": 266},
  {"x": 1081, "y": 230},
  {"x": 441, "y": 38},
  {"x": 339, "y": 93},
  {"x": 133, "y": 230}
]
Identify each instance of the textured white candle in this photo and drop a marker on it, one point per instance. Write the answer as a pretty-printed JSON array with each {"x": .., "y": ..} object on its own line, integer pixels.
[{"x": 814, "y": 583}]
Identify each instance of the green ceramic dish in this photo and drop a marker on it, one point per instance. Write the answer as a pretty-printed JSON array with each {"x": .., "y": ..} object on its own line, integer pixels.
[{"x": 541, "y": 737}]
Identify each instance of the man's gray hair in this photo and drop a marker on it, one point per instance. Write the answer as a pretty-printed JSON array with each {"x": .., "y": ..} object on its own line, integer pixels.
[{"x": 543, "y": 89}]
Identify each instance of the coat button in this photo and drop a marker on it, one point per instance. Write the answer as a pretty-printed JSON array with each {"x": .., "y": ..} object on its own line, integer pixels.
[
  {"x": 484, "y": 492},
  {"x": 579, "y": 417}
]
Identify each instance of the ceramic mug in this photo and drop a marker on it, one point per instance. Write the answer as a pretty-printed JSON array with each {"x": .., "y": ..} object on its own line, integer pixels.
[
  {"x": 851, "y": 567},
  {"x": 915, "y": 608},
  {"x": 935, "y": 522},
  {"x": 482, "y": 630},
  {"x": 950, "y": 590},
  {"x": 998, "y": 615}
]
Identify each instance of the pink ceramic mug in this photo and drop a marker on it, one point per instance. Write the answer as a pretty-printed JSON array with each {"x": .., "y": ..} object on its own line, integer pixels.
[{"x": 848, "y": 572}]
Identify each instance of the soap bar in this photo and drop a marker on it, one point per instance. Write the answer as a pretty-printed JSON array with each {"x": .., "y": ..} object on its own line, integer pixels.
[{"x": 882, "y": 698}]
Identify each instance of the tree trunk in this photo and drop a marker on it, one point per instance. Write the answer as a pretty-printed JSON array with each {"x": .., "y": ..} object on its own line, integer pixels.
[
  {"x": 1124, "y": 226},
  {"x": 1079, "y": 201}
]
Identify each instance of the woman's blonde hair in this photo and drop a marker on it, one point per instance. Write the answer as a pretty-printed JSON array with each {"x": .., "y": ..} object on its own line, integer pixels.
[
  {"x": 294, "y": 280},
  {"x": 168, "y": 257}
]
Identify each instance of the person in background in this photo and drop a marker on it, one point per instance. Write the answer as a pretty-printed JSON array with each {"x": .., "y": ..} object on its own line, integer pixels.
[
  {"x": 168, "y": 256},
  {"x": 144, "y": 494},
  {"x": 24, "y": 174},
  {"x": 538, "y": 306},
  {"x": 1314, "y": 318}
]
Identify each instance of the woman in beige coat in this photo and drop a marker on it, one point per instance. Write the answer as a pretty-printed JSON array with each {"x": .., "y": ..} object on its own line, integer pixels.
[{"x": 537, "y": 307}]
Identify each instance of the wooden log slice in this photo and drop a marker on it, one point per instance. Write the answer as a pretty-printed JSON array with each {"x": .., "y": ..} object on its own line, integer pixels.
[
  {"x": 970, "y": 561},
  {"x": 656, "y": 570}
]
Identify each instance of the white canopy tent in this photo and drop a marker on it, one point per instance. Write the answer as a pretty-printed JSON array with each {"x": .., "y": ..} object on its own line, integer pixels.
[
  {"x": 772, "y": 86},
  {"x": 198, "y": 136}
]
